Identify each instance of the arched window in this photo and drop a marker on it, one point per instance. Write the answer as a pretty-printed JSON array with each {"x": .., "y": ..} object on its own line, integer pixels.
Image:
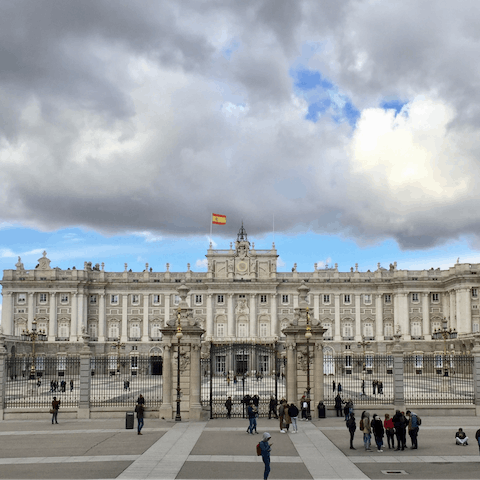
[
  {"x": 416, "y": 329},
  {"x": 63, "y": 329},
  {"x": 347, "y": 330},
  {"x": 388, "y": 330},
  {"x": 155, "y": 331},
  {"x": 135, "y": 330},
  {"x": 242, "y": 330},
  {"x": 93, "y": 330},
  {"x": 113, "y": 330},
  {"x": 368, "y": 329},
  {"x": 328, "y": 333},
  {"x": 264, "y": 330}
]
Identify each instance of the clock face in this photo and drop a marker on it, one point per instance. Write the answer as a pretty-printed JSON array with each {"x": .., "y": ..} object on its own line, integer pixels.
[{"x": 242, "y": 266}]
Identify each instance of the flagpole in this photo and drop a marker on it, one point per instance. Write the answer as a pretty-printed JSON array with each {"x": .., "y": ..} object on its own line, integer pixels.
[
  {"x": 211, "y": 226},
  {"x": 273, "y": 228}
]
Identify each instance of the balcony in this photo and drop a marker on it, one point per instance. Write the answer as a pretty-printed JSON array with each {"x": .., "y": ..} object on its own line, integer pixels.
[
  {"x": 347, "y": 339},
  {"x": 62, "y": 339},
  {"x": 134, "y": 339},
  {"x": 328, "y": 338},
  {"x": 418, "y": 337},
  {"x": 155, "y": 339}
]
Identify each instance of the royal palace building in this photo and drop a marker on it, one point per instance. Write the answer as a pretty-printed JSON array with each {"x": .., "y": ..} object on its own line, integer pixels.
[{"x": 241, "y": 298}]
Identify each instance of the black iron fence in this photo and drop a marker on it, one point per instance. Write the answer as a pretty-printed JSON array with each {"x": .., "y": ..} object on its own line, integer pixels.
[
  {"x": 118, "y": 381},
  {"x": 363, "y": 379},
  {"x": 32, "y": 383},
  {"x": 243, "y": 373},
  {"x": 433, "y": 379}
]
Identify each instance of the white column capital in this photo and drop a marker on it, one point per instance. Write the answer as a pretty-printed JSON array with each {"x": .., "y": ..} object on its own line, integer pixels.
[{"x": 426, "y": 294}]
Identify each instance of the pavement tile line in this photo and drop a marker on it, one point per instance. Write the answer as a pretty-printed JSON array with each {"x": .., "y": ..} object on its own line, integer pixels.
[
  {"x": 71, "y": 459},
  {"x": 74, "y": 432}
]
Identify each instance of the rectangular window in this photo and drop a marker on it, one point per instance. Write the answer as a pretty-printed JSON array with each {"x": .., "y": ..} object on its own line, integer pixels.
[
  {"x": 328, "y": 333},
  {"x": 369, "y": 361},
  {"x": 263, "y": 361},
  {"x": 176, "y": 300},
  {"x": 22, "y": 297},
  {"x": 114, "y": 299},
  {"x": 367, "y": 299},
  {"x": 134, "y": 363},
  {"x": 418, "y": 361},
  {"x": 264, "y": 330},
  {"x": 64, "y": 298},
  {"x": 135, "y": 298},
  {"x": 284, "y": 298},
  {"x": 220, "y": 330},
  {"x": 475, "y": 328},
  {"x": 326, "y": 299},
  {"x": 435, "y": 297},
  {"x": 198, "y": 299},
  {"x": 42, "y": 298},
  {"x": 346, "y": 298},
  {"x": 388, "y": 298},
  {"x": 156, "y": 299},
  {"x": 474, "y": 292},
  {"x": 348, "y": 361},
  {"x": 368, "y": 330},
  {"x": 219, "y": 298},
  {"x": 414, "y": 297},
  {"x": 220, "y": 364},
  {"x": 242, "y": 330},
  {"x": 93, "y": 299},
  {"x": 263, "y": 299},
  {"x": 347, "y": 330},
  {"x": 241, "y": 297}
]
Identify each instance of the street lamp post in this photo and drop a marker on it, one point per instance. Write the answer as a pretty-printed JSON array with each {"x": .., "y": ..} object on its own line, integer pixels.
[
  {"x": 308, "y": 336},
  {"x": 179, "y": 335},
  {"x": 364, "y": 345},
  {"x": 445, "y": 333},
  {"x": 117, "y": 346},
  {"x": 33, "y": 335}
]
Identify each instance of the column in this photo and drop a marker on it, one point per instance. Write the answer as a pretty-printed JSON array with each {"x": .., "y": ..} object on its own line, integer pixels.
[
  {"x": 167, "y": 309},
  {"x": 426, "y": 316},
  {"x": 404, "y": 317},
  {"x": 81, "y": 314},
  {"x": 318, "y": 392},
  {"x": 195, "y": 405},
  {"x": 338, "y": 334},
  {"x": 396, "y": 314},
  {"x": 7, "y": 314},
  {"x": 295, "y": 301},
  {"x": 230, "y": 317},
  {"x": 73, "y": 318},
  {"x": 31, "y": 310},
  {"x": 166, "y": 407},
  {"x": 464, "y": 311},
  {"x": 124, "y": 333},
  {"x": 274, "y": 331},
  {"x": 145, "y": 326},
  {"x": 398, "y": 386},
  {"x": 85, "y": 383},
  {"x": 291, "y": 373},
  {"x": 476, "y": 376},
  {"x": 3, "y": 377},
  {"x": 210, "y": 332},
  {"x": 378, "y": 318},
  {"x": 253, "y": 316},
  {"x": 446, "y": 304},
  {"x": 453, "y": 310},
  {"x": 101, "y": 318},
  {"x": 316, "y": 306},
  {"x": 358, "y": 321},
  {"x": 52, "y": 321}
]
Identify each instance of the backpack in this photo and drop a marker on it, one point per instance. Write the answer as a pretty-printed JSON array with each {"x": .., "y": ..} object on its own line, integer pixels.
[
  {"x": 259, "y": 450},
  {"x": 419, "y": 420},
  {"x": 361, "y": 424}
]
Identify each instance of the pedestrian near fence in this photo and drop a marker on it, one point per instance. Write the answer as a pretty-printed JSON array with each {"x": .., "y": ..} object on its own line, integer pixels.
[
  {"x": 293, "y": 413},
  {"x": 54, "y": 411},
  {"x": 139, "y": 410},
  {"x": 352, "y": 426},
  {"x": 389, "y": 430},
  {"x": 367, "y": 430},
  {"x": 266, "y": 448}
]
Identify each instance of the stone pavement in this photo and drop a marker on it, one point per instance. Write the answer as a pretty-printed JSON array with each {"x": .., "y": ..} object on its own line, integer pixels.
[{"x": 100, "y": 449}]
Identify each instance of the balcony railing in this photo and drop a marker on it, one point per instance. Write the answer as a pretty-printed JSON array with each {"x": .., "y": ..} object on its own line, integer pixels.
[{"x": 62, "y": 339}]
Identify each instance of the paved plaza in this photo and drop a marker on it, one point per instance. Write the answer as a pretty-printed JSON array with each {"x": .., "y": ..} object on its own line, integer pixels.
[{"x": 101, "y": 449}]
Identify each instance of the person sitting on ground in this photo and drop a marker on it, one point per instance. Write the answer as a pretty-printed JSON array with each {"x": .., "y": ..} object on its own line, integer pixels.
[{"x": 461, "y": 437}]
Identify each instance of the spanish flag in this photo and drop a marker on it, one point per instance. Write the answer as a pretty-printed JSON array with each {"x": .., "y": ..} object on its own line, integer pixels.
[{"x": 219, "y": 219}]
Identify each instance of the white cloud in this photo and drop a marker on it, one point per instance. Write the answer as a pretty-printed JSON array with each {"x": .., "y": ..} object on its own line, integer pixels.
[
  {"x": 280, "y": 262},
  {"x": 324, "y": 263},
  {"x": 148, "y": 236},
  {"x": 202, "y": 263},
  {"x": 6, "y": 253}
]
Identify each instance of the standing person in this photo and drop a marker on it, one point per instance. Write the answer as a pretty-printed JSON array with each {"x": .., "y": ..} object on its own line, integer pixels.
[
  {"x": 374, "y": 387},
  {"x": 71, "y": 385},
  {"x": 367, "y": 431},
  {"x": 265, "y": 448},
  {"x": 228, "y": 406},
  {"x": 55, "y": 407},
  {"x": 333, "y": 386},
  {"x": 139, "y": 410},
  {"x": 477, "y": 436},
  {"x": 389, "y": 430},
  {"x": 252, "y": 418},
  {"x": 288, "y": 420},
  {"x": 352, "y": 426},
  {"x": 378, "y": 432},
  {"x": 293, "y": 413},
  {"x": 339, "y": 388},
  {"x": 272, "y": 407},
  {"x": 413, "y": 427},
  {"x": 304, "y": 408},
  {"x": 346, "y": 410},
  {"x": 338, "y": 405},
  {"x": 281, "y": 416},
  {"x": 399, "y": 422},
  {"x": 141, "y": 400},
  {"x": 461, "y": 438},
  {"x": 363, "y": 387}
]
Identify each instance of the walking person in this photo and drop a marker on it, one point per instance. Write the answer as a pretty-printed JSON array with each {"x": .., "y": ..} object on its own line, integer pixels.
[
  {"x": 228, "y": 406},
  {"x": 55, "y": 407},
  {"x": 252, "y": 418},
  {"x": 288, "y": 420},
  {"x": 477, "y": 436},
  {"x": 272, "y": 407},
  {"x": 139, "y": 411},
  {"x": 338, "y": 405},
  {"x": 71, "y": 385},
  {"x": 367, "y": 430},
  {"x": 293, "y": 413},
  {"x": 266, "y": 448},
  {"x": 333, "y": 386},
  {"x": 413, "y": 428},
  {"x": 281, "y": 416},
  {"x": 352, "y": 426},
  {"x": 378, "y": 432},
  {"x": 304, "y": 408},
  {"x": 389, "y": 430}
]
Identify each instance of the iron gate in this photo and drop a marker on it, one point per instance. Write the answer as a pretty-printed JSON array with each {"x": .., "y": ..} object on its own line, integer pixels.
[{"x": 243, "y": 372}]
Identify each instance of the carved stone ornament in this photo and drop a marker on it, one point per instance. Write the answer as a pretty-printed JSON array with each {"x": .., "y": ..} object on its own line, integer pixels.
[
  {"x": 302, "y": 359},
  {"x": 241, "y": 308},
  {"x": 184, "y": 360},
  {"x": 19, "y": 264},
  {"x": 44, "y": 262}
]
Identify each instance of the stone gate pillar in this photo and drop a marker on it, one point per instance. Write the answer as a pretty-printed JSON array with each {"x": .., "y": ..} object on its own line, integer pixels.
[
  {"x": 476, "y": 377},
  {"x": 166, "y": 407},
  {"x": 291, "y": 372},
  {"x": 3, "y": 374},
  {"x": 398, "y": 369},
  {"x": 85, "y": 382}
]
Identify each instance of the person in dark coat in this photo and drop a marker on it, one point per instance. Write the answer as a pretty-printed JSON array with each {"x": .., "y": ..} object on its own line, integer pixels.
[
  {"x": 338, "y": 405},
  {"x": 139, "y": 411},
  {"x": 228, "y": 406},
  {"x": 55, "y": 407},
  {"x": 400, "y": 424},
  {"x": 378, "y": 432},
  {"x": 265, "y": 448},
  {"x": 272, "y": 407},
  {"x": 352, "y": 426}
]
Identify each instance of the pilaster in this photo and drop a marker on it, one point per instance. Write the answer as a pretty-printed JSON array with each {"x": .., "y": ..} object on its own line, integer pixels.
[
  {"x": 85, "y": 383},
  {"x": 31, "y": 310},
  {"x": 338, "y": 334},
  {"x": 101, "y": 318},
  {"x": 145, "y": 325},
  {"x": 358, "y": 322},
  {"x": 253, "y": 316},
  {"x": 379, "y": 336},
  {"x": 274, "y": 322},
  {"x": 124, "y": 332},
  {"x": 73, "y": 318},
  {"x": 209, "y": 325},
  {"x": 166, "y": 409},
  {"x": 230, "y": 317},
  {"x": 52, "y": 322},
  {"x": 426, "y": 316},
  {"x": 3, "y": 374}
]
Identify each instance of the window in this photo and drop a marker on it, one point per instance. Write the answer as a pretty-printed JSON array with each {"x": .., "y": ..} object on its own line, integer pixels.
[
  {"x": 414, "y": 297},
  {"x": 284, "y": 298},
  {"x": 241, "y": 297},
  {"x": 328, "y": 333},
  {"x": 176, "y": 300},
  {"x": 368, "y": 330},
  {"x": 220, "y": 364},
  {"x": 198, "y": 299},
  {"x": 263, "y": 299},
  {"x": 93, "y": 299},
  {"x": 92, "y": 330},
  {"x": 438, "y": 361},
  {"x": 475, "y": 328},
  {"x": 367, "y": 299},
  {"x": 263, "y": 361},
  {"x": 156, "y": 299},
  {"x": 63, "y": 330},
  {"x": 435, "y": 326},
  {"x": 435, "y": 297},
  {"x": 346, "y": 298},
  {"x": 219, "y": 298},
  {"x": 348, "y": 361},
  {"x": 416, "y": 329},
  {"x": 134, "y": 363},
  {"x": 135, "y": 298},
  {"x": 368, "y": 361},
  {"x": 113, "y": 331},
  {"x": 388, "y": 330},
  {"x": 242, "y": 329},
  {"x": 474, "y": 292},
  {"x": 156, "y": 333},
  {"x": 135, "y": 330},
  {"x": 264, "y": 330},
  {"x": 64, "y": 297},
  {"x": 347, "y": 330},
  {"x": 388, "y": 298},
  {"x": 114, "y": 299},
  {"x": 22, "y": 298},
  {"x": 326, "y": 299},
  {"x": 220, "y": 330},
  {"x": 42, "y": 298},
  {"x": 418, "y": 361}
]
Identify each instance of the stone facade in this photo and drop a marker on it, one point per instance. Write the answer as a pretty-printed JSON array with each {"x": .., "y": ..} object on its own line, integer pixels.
[{"x": 241, "y": 297}]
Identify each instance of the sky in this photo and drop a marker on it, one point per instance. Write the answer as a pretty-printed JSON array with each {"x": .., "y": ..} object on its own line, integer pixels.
[{"x": 351, "y": 126}]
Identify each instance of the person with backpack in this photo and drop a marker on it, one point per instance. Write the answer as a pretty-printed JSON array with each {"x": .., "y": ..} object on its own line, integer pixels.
[
  {"x": 293, "y": 412},
  {"x": 400, "y": 422},
  {"x": 252, "y": 417},
  {"x": 378, "y": 432},
  {"x": 352, "y": 426},
  {"x": 366, "y": 428},
  {"x": 414, "y": 423},
  {"x": 265, "y": 449}
]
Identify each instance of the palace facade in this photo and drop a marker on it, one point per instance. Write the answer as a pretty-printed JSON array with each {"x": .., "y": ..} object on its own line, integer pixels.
[{"x": 241, "y": 298}]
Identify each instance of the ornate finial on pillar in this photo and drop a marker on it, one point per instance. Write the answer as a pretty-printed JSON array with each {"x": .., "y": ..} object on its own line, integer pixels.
[
  {"x": 44, "y": 253},
  {"x": 103, "y": 266},
  {"x": 231, "y": 245},
  {"x": 253, "y": 245},
  {"x": 356, "y": 267},
  {"x": 126, "y": 267},
  {"x": 211, "y": 245},
  {"x": 188, "y": 267},
  {"x": 378, "y": 266},
  {"x": 146, "y": 267},
  {"x": 315, "y": 266}
]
